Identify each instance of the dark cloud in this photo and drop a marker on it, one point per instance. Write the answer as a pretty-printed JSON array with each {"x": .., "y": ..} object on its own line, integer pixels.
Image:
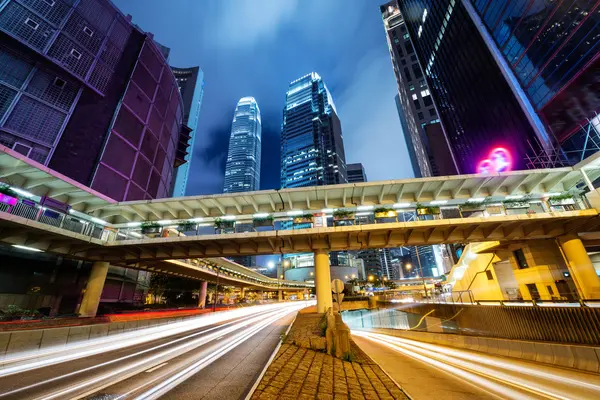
[{"x": 256, "y": 47}]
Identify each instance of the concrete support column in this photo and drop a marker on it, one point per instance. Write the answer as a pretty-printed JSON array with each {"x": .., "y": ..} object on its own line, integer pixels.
[
  {"x": 93, "y": 289},
  {"x": 323, "y": 281},
  {"x": 300, "y": 295},
  {"x": 580, "y": 266},
  {"x": 280, "y": 295},
  {"x": 242, "y": 292},
  {"x": 202, "y": 294}
]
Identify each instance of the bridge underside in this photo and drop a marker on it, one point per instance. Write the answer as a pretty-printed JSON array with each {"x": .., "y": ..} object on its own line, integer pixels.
[{"x": 19, "y": 231}]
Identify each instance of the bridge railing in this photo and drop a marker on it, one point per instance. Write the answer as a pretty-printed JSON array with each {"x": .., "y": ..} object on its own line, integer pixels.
[
  {"x": 551, "y": 323},
  {"x": 96, "y": 228}
]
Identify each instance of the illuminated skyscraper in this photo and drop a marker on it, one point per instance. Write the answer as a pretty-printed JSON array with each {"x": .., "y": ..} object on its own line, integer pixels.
[
  {"x": 312, "y": 147},
  {"x": 242, "y": 171}
]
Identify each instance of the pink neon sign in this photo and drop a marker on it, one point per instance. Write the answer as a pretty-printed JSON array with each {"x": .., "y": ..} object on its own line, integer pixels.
[{"x": 499, "y": 160}]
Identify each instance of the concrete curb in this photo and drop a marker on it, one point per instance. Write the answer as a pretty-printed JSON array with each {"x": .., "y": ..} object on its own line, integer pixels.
[{"x": 262, "y": 373}]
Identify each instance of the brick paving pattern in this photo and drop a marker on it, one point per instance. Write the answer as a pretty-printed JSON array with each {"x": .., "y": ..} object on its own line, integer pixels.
[{"x": 298, "y": 373}]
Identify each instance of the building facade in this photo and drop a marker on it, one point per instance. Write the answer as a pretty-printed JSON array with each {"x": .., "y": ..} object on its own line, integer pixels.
[
  {"x": 550, "y": 53},
  {"x": 242, "y": 171},
  {"x": 415, "y": 104},
  {"x": 356, "y": 173},
  {"x": 410, "y": 148},
  {"x": 190, "y": 82},
  {"x": 476, "y": 105},
  {"x": 312, "y": 147},
  {"x": 90, "y": 95}
]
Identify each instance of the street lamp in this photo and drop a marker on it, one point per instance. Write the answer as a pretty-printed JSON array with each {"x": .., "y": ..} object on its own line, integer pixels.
[
  {"x": 270, "y": 265},
  {"x": 371, "y": 278}
]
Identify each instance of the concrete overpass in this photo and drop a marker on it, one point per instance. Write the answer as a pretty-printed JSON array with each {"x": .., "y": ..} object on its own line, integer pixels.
[{"x": 115, "y": 235}]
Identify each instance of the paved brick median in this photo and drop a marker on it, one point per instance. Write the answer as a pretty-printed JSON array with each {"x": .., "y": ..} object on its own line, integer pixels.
[{"x": 299, "y": 373}]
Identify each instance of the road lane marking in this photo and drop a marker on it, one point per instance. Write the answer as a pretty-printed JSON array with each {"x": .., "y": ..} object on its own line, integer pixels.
[{"x": 157, "y": 367}]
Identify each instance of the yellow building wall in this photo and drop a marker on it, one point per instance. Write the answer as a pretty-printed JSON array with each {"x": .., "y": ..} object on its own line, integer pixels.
[{"x": 469, "y": 274}]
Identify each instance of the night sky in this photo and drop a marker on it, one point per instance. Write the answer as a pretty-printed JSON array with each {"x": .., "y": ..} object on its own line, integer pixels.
[{"x": 255, "y": 48}]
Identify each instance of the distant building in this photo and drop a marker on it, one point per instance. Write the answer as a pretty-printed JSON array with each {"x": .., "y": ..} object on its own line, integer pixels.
[
  {"x": 242, "y": 170},
  {"x": 356, "y": 173},
  {"x": 191, "y": 87},
  {"x": 312, "y": 148},
  {"x": 90, "y": 95}
]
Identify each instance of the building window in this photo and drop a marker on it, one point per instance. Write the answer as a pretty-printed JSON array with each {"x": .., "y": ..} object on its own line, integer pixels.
[
  {"x": 550, "y": 290},
  {"x": 31, "y": 23},
  {"x": 60, "y": 83},
  {"x": 49, "y": 2},
  {"x": 414, "y": 96},
  {"x": 520, "y": 257},
  {"x": 432, "y": 112},
  {"x": 422, "y": 83},
  {"x": 406, "y": 36},
  {"x": 88, "y": 31},
  {"x": 396, "y": 41},
  {"x": 413, "y": 58},
  {"x": 490, "y": 276},
  {"x": 76, "y": 54},
  {"x": 417, "y": 71},
  {"x": 427, "y": 100},
  {"x": 420, "y": 115},
  {"x": 403, "y": 61},
  {"x": 424, "y": 92},
  {"x": 411, "y": 87},
  {"x": 533, "y": 291}
]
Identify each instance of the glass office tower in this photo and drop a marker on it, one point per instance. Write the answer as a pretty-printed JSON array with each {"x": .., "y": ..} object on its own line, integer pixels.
[
  {"x": 551, "y": 51},
  {"x": 312, "y": 148},
  {"x": 242, "y": 171},
  {"x": 191, "y": 87},
  {"x": 476, "y": 105}
]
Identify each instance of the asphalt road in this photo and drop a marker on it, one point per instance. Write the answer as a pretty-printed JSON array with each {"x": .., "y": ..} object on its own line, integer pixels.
[
  {"x": 216, "y": 357},
  {"x": 427, "y": 371}
]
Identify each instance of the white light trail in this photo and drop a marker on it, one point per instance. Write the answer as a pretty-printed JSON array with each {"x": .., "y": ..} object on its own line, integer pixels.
[
  {"x": 43, "y": 358},
  {"x": 474, "y": 367},
  {"x": 117, "y": 375}
]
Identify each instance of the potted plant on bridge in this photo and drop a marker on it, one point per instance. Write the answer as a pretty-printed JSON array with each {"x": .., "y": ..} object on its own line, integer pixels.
[
  {"x": 384, "y": 214},
  {"x": 427, "y": 210},
  {"x": 186, "y": 226},
  {"x": 262, "y": 221},
  {"x": 516, "y": 203},
  {"x": 303, "y": 219},
  {"x": 151, "y": 228},
  {"x": 565, "y": 198},
  {"x": 224, "y": 224},
  {"x": 344, "y": 215}
]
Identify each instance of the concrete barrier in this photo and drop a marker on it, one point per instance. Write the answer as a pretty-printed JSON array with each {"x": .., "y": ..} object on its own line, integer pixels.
[
  {"x": 35, "y": 339},
  {"x": 585, "y": 358},
  {"x": 54, "y": 337}
]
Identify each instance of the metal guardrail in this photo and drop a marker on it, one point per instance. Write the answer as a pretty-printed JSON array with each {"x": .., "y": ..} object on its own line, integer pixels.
[{"x": 579, "y": 325}]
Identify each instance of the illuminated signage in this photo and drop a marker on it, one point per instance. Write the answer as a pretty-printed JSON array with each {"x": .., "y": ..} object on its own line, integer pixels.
[{"x": 499, "y": 160}]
